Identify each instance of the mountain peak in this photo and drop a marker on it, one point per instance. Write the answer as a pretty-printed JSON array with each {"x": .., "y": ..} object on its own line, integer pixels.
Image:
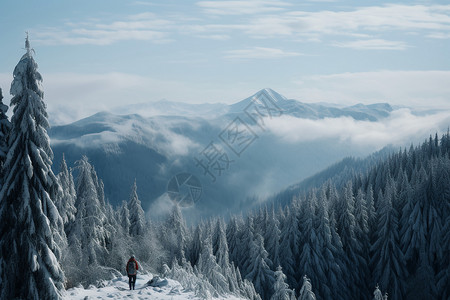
[
  {"x": 271, "y": 94},
  {"x": 259, "y": 98}
]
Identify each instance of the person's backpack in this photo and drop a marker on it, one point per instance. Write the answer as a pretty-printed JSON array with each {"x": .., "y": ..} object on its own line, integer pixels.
[{"x": 131, "y": 267}]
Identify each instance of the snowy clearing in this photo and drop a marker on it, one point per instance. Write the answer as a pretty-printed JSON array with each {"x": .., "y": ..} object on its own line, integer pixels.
[{"x": 118, "y": 289}]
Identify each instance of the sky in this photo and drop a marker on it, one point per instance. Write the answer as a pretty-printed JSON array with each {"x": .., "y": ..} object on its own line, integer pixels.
[{"x": 98, "y": 54}]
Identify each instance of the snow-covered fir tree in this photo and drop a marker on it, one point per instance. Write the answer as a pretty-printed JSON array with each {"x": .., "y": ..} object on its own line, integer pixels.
[
  {"x": 66, "y": 198},
  {"x": 306, "y": 292},
  {"x": 196, "y": 245},
  {"x": 137, "y": 215},
  {"x": 389, "y": 269},
  {"x": 31, "y": 228},
  {"x": 220, "y": 251},
  {"x": 362, "y": 250},
  {"x": 346, "y": 226},
  {"x": 259, "y": 271},
  {"x": 233, "y": 242},
  {"x": 443, "y": 276},
  {"x": 124, "y": 218},
  {"x": 246, "y": 239},
  {"x": 122, "y": 245},
  {"x": 371, "y": 213},
  {"x": 289, "y": 244},
  {"x": 415, "y": 240},
  {"x": 281, "y": 288},
  {"x": 377, "y": 295},
  {"x": 174, "y": 234},
  {"x": 5, "y": 127},
  {"x": 311, "y": 260},
  {"x": 208, "y": 267},
  {"x": 272, "y": 237},
  {"x": 87, "y": 236},
  {"x": 220, "y": 247}
]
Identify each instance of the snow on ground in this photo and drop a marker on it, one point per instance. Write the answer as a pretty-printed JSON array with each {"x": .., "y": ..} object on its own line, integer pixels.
[{"x": 118, "y": 289}]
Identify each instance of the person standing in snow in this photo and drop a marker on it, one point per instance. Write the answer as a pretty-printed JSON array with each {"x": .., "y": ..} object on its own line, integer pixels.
[{"x": 132, "y": 267}]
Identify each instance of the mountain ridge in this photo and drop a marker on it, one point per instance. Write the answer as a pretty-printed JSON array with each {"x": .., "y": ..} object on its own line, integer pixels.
[
  {"x": 153, "y": 149},
  {"x": 293, "y": 107}
]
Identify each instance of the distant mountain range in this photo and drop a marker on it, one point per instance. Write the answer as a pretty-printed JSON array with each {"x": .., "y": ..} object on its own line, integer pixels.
[
  {"x": 153, "y": 142},
  {"x": 314, "y": 111},
  {"x": 291, "y": 107}
]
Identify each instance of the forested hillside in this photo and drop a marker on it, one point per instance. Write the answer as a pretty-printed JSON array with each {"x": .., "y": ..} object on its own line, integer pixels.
[{"x": 388, "y": 227}]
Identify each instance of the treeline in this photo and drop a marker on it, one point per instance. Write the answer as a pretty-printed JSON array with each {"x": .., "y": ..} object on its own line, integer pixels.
[
  {"x": 100, "y": 239},
  {"x": 387, "y": 228}
]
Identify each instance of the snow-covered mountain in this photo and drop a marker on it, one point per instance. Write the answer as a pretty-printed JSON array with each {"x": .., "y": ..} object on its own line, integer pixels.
[
  {"x": 299, "y": 109},
  {"x": 154, "y": 149},
  {"x": 266, "y": 96}
]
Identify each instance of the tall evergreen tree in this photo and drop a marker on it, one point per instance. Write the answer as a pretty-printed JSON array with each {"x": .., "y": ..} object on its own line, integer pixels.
[
  {"x": 88, "y": 237},
  {"x": 443, "y": 185},
  {"x": 443, "y": 277},
  {"x": 415, "y": 239},
  {"x": 332, "y": 286},
  {"x": 289, "y": 244},
  {"x": 281, "y": 288},
  {"x": 232, "y": 233},
  {"x": 371, "y": 215},
  {"x": 377, "y": 295},
  {"x": 272, "y": 237},
  {"x": 388, "y": 260},
  {"x": 346, "y": 226},
  {"x": 67, "y": 196},
  {"x": 195, "y": 247},
  {"x": 31, "y": 227},
  {"x": 306, "y": 292},
  {"x": 246, "y": 239},
  {"x": 339, "y": 267},
  {"x": 208, "y": 266},
  {"x": 362, "y": 243},
  {"x": 124, "y": 218},
  {"x": 5, "y": 128},
  {"x": 311, "y": 261},
  {"x": 174, "y": 234},
  {"x": 438, "y": 195},
  {"x": 221, "y": 246},
  {"x": 137, "y": 215},
  {"x": 259, "y": 271}
]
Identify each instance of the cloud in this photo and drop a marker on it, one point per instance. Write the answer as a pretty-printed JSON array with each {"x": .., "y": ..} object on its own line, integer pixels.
[
  {"x": 373, "y": 44},
  {"x": 399, "y": 129},
  {"x": 241, "y": 7},
  {"x": 409, "y": 88},
  {"x": 373, "y": 18},
  {"x": 266, "y": 19},
  {"x": 143, "y": 26},
  {"x": 439, "y": 35},
  {"x": 429, "y": 20},
  {"x": 259, "y": 53},
  {"x": 177, "y": 145}
]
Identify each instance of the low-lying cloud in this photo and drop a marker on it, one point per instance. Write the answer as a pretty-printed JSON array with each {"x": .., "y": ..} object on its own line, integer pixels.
[{"x": 399, "y": 129}]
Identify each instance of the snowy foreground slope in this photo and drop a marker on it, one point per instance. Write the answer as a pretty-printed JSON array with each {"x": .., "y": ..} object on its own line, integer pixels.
[{"x": 118, "y": 289}]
